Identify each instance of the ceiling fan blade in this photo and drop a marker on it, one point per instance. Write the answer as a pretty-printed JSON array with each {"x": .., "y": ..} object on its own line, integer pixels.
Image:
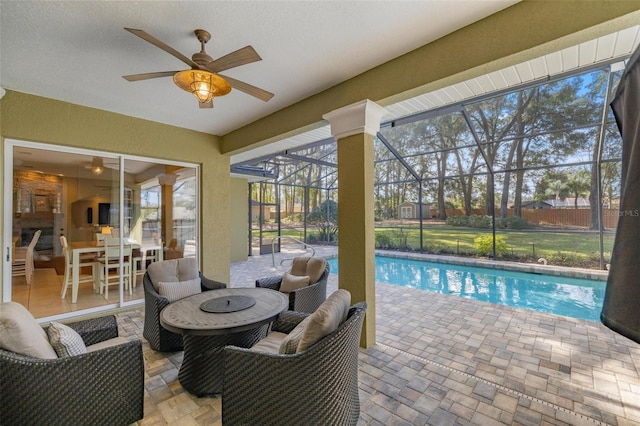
[
  {"x": 243, "y": 56},
  {"x": 162, "y": 45},
  {"x": 206, "y": 105},
  {"x": 148, "y": 75},
  {"x": 248, "y": 89}
]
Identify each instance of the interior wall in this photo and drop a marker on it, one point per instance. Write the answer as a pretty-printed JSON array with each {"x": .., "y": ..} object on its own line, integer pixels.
[
  {"x": 33, "y": 118},
  {"x": 239, "y": 210}
]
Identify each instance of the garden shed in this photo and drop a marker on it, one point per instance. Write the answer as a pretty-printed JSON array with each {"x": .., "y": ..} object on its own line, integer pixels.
[{"x": 410, "y": 210}]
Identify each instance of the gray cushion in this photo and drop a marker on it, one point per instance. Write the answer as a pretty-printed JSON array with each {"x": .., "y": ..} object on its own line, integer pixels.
[
  {"x": 173, "y": 270},
  {"x": 290, "y": 343},
  {"x": 173, "y": 291},
  {"x": 315, "y": 268},
  {"x": 65, "y": 340},
  {"x": 326, "y": 318},
  {"x": 107, "y": 344},
  {"x": 292, "y": 282},
  {"x": 271, "y": 343},
  {"x": 299, "y": 266},
  {"x": 21, "y": 333}
]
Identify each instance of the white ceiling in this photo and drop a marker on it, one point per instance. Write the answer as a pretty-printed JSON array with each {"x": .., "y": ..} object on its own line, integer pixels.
[
  {"x": 604, "y": 49},
  {"x": 78, "y": 51}
]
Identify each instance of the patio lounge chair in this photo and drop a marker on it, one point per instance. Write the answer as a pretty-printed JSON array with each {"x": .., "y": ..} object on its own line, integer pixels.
[
  {"x": 307, "y": 295},
  {"x": 104, "y": 386},
  {"x": 175, "y": 271},
  {"x": 315, "y": 385}
]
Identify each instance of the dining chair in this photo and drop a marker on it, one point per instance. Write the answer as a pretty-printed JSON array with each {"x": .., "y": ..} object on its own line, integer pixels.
[
  {"x": 189, "y": 248},
  {"x": 101, "y": 237},
  {"x": 68, "y": 268},
  {"x": 110, "y": 262},
  {"x": 23, "y": 259},
  {"x": 146, "y": 256}
]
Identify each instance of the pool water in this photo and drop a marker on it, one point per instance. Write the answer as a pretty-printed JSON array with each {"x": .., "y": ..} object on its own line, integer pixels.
[{"x": 571, "y": 297}]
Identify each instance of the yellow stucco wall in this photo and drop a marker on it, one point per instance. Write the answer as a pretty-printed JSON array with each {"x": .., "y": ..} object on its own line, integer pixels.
[
  {"x": 239, "y": 209},
  {"x": 33, "y": 118}
]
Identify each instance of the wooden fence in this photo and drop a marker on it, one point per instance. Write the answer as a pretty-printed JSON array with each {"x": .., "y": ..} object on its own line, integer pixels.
[{"x": 557, "y": 217}]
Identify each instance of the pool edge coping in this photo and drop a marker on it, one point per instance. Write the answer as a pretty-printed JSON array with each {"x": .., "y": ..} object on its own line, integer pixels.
[{"x": 581, "y": 273}]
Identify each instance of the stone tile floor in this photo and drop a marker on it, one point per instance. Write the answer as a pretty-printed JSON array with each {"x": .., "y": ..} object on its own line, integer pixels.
[{"x": 445, "y": 360}]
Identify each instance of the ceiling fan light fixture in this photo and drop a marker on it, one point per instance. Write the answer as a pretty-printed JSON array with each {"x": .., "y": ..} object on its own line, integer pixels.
[
  {"x": 204, "y": 85},
  {"x": 97, "y": 166}
]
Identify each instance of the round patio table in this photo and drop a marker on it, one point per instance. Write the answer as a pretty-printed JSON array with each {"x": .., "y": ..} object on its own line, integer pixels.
[{"x": 240, "y": 317}]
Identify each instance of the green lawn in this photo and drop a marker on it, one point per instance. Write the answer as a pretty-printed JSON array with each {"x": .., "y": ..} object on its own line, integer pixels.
[{"x": 559, "y": 247}]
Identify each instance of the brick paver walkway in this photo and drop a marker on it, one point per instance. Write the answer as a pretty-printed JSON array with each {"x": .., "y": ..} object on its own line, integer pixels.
[{"x": 445, "y": 360}]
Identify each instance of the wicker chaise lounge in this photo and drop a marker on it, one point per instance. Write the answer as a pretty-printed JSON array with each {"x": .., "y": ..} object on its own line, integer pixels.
[
  {"x": 178, "y": 270},
  {"x": 307, "y": 297},
  {"x": 318, "y": 385},
  {"x": 103, "y": 387}
]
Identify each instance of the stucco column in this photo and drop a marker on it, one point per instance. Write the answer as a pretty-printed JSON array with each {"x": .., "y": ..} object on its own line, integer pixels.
[{"x": 354, "y": 127}]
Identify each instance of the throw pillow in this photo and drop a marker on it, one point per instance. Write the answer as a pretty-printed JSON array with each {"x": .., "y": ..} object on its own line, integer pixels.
[
  {"x": 173, "y": 291},
  {"x": 173, "y": 270},
  {"x": 315, "y": 269},
  {"x": 299, "y": 266},
  {"x": 65, "y": 340},
  {"x": 326, "y": 318},
  {"x": 292, "y": 282},
  {"x": 290, "y": 343},
  {"x": 21, "y": 333}
]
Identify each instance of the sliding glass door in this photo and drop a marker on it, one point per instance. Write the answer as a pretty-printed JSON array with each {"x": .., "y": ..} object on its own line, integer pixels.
[{"x": 85, "y": 225}]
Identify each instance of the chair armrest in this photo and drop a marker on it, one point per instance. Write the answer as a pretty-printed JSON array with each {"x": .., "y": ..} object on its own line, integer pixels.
[
  {"x": 287, "y": 321},
  {"x": 96, "y": 330},
  {"x": 324, "y": 375},
  {"x": 152, "y": 294},
  {"x": 270, "y": 282},
  {"x": 104, "y": 387},
  {"x": 308, "y": 298},
  {"x": 209, "y": 284}
]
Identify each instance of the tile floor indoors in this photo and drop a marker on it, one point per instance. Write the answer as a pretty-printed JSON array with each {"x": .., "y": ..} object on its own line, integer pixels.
[{"x": 445, "y": 360}]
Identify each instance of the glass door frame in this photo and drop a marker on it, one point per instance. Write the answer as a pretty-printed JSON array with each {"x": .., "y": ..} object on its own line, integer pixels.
[{"x": 10, "y": 145}]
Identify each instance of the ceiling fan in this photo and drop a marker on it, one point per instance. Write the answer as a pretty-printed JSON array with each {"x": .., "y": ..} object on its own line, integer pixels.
[
  {"x": 203, "y": 80},
  {"x": 98, "y": 165}
]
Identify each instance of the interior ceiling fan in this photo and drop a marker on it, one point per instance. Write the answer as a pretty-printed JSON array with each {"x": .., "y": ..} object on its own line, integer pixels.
[{"x": 203, "y": 79}]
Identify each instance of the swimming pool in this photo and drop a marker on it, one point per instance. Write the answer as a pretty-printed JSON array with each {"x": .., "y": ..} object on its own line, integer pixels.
[{"x": 571, "y": 297}]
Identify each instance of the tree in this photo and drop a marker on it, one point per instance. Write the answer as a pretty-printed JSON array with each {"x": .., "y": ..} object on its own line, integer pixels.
[
  {"x": 555, "y": 188},
  {"x": 579, "y": 185},
  {"x": 325, "y": 218}
]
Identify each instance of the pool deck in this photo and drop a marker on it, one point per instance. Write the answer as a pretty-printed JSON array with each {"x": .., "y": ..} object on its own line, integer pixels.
[{"x": 445, "y": 360}]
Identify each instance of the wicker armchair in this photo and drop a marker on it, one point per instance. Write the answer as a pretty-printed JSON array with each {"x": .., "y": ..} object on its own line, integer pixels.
[
  {"x": 161, "y": 339},
  {"x": 104, "y": 387},
  {"x": 316, "y": 386},
  {"x": 304, "y": 299}
]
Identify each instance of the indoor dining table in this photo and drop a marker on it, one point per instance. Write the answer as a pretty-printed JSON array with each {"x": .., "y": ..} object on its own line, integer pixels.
[{"x": 78, "y": 248}]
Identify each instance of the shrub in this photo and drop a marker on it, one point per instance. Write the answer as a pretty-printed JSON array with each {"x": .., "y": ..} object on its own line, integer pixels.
[
  {"x": 383, "y": 241},
  {"x": 484, "y": 245},
  {"x": 513, "y": 222},
  {"x": 477, "y": 221},
  {"x": 458, "y": 221},
  {"x": 401, "y": 239},
  {"x": 564, "y": 258}
]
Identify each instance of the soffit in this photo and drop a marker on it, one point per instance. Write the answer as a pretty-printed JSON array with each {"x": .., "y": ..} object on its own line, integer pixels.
[{"x": 603, "y": 49}]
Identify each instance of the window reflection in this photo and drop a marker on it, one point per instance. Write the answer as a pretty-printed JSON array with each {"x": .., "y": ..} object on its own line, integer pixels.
[{"x": 78, "y": 196}]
